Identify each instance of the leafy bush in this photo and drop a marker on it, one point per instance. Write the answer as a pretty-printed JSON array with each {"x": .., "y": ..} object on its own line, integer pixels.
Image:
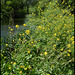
[{"x": 44, "y": 45}]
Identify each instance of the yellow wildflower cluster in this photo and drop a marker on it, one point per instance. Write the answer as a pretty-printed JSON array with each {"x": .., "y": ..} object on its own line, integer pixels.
[{"x": 52, "y": 39}]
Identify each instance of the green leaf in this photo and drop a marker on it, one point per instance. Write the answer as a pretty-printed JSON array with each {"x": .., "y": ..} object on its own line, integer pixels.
[
  {"x": 8, "y": 2},
  {"x": 38, "y": 45},
  {"x": 6, "y": 73},
  {"x": 69, "y": 72}
]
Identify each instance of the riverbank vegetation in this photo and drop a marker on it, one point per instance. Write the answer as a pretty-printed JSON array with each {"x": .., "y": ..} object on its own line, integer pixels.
[
  {"x": 11, "y": 9},
  {"x": 45, "y": 44}
]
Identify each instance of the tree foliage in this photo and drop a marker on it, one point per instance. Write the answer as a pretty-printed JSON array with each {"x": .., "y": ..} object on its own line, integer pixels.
[{"x": 15, "y": 8}]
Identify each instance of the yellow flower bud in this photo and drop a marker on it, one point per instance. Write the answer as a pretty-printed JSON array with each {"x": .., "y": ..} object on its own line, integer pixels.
[{"x": 45, "y": 53}]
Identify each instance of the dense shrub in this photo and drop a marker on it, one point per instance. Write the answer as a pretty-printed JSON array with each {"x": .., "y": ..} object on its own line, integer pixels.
[{"x": 44, "y": 46}]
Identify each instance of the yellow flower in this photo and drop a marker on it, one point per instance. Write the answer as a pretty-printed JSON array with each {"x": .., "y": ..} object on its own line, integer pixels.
[
  {"x": 38, "y": 7},
  {"x": 3, "y": 51},
  {"x": 43, "y": 28},
  {"x": 69, "y": 45},
  {"x": 46, "y": 32},
  {"x": 19, "y": 39},
  {"x": 52, "y": 66},
  {"x": 73, "y": 42},
  {"x": 60, "y": 16},
  {"x": 1, "y": 54},
  {"x": 29, "y": 67},
  {"x": 32, "y": 13},
  {"x": 68, "y": 54},
  {"x": 11, "y": 62},
  {"x": 45, "y": 53},
  {"x": 6, "y": 44},
  {"x": 64, "y": 55},
  {"x": 11, "y": 29},
  {"x": 20, "y": 72},
  {"x": 54, "y": 45},
  {"x": 72, "y": 38},
  {"x": 50, "y": 3},
  {"x": 13, "y": 40},
  {"x": 69, "y": 50},
  {"x": 22, "y": 42},
  {"x": 58, "y": 39},
  {"x": 39, "y": 27},
  {"x": 17, "y": 26},
  {"x": 22, "y": 66},
  {"x": 29, "y": 52},
  {"x": 56, "y": 1},
  {"x": 27, "y": 31},
  {"x": 14, "y": 63},
  {"x": 65, "y": 3},
  {"x": 9, "y": 32},
  {"x": 4, "y": 57},
  {"x": 24, "y": 25},
  {"x": 23, "y": 34},
  {"x": 36, "y": 32},
  {"x": 32, "y": 42},
  {"x": 19, "y": 34},
  {"x": 67, "y": 31},
  {"x": 25, "y": 68},
  {"x": 55, "y": 34},
  {"x": 34, "y": 45},
  {"x": 69, "y": 6},
  {"x": 9, "y": 67},
  {"x": 35, "y": 41},
  {"x": 62, "y": 49},
  {"x": 53, "y": 48},
  {"x": 41, "y": 54}
]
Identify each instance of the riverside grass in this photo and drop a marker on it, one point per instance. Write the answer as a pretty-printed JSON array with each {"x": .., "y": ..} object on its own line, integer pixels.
[{"x": 48, "y": 49}]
